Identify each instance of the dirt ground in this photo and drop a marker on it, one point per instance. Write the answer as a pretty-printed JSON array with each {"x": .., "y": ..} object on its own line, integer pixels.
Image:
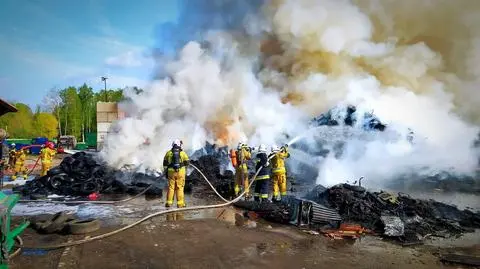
[
  {"x": 216, "y": 239},
  {"x": 220, "y": 243}
]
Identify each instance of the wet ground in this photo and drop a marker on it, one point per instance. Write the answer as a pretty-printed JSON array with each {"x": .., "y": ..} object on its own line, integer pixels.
[
  {"x": 217, "y": 238},
  {"x": 220, "y": 238}
]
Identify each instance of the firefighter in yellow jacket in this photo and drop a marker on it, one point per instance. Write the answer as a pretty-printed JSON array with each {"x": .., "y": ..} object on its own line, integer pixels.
[
  {"x": 279, "y": 172},
  {"x": 11, "y": 156},
  {"x": 20, "y": 158},
  {"x": 242, "y": 155},
  {"x": 175, "y": 165},
  {"x": 46, "y": 156}
]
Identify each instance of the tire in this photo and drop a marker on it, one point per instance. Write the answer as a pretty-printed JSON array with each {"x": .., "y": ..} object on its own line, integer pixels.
[
  {"x": 83, "y": 227},
  {"x": 55, "y": 171},
  {"x": 57, "y": 181},
  {"x": 38, "y": 196},
  {"x": 79, "y": 155},
  {"x": 90, "y": 187},
  {"x": 56, "y": 223}
]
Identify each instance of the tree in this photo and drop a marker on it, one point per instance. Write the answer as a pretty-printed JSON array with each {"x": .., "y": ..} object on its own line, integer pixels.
[
  {"x": 45, "y": 125},
  {"x": 86, "y": 97},
  {"x": 53, "y": 102},
  {"x": 20, "y": 123},
  {"x": 71, "y": 111}
]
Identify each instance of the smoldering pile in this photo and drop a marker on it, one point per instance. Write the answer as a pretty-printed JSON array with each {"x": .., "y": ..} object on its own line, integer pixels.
[
  {"x": 82, "y": 174},
  {"x": 213, "y": 162},
  {"x": 397, "y": 215}
]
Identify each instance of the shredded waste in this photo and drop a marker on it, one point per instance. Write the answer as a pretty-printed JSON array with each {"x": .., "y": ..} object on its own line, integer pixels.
[{"x": 398, "y": 215}]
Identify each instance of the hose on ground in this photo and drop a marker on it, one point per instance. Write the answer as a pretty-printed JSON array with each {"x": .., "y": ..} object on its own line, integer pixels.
[
  {"x": 19, "y": 247},
  {"x": 35, "y": 165},
  {"x": 105, "y": 235}
]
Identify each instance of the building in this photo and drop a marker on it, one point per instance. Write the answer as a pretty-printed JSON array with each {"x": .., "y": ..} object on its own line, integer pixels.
[
  {"x": 107, "y": 113},
  {"x": 5, "y": 107}
]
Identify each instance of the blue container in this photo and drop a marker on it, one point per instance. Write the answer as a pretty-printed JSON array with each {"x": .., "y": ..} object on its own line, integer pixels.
[
  {"x": 20, "y": 146},
  {"x": 35, "y": 150},
  {"x": 39, "y": 140}
]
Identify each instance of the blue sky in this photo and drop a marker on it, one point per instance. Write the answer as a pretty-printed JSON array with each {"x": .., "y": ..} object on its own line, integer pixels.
[{"x": 57, "y": 43}]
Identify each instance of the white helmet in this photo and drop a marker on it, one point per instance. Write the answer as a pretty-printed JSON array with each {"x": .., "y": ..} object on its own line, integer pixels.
[
  {"x": 177, "y": 142},
  {"x": 12, "y": 145},
  {"x": 240, "y": 145},
  {"x": 262, "y": 148},
  {"x": 275, "y": 148}
]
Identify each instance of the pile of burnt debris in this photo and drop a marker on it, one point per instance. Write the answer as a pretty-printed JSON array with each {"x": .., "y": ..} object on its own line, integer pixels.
[
  {"x": 81, "y": 174},
  {"x": 397, "y": 216}
]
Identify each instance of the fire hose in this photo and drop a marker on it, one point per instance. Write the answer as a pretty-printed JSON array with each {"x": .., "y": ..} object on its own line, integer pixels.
[
  {"x": 202, "y": 207},
  {"x": 124, "y": 200}
]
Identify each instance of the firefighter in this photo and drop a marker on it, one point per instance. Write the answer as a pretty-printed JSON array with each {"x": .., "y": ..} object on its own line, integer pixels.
[
  {"x": 19, "y": 167},
  {"x": 279, "y": 172},
  {"x": 3, "y": 153},
  {"x": 239, "y": 160},
  {"x": 174, "y": 165},
  {"x": 11, "y": 156},
  {"x": 261, "y": 181},
  {"x": 46, "y": 156}
]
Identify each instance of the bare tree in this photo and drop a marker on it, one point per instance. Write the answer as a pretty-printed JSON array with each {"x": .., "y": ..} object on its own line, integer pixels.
[{"x": 52, "y": 102}]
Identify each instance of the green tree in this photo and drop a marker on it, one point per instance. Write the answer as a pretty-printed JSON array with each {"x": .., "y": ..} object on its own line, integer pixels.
[
  {"x": 86, "y": 95},
  {"x": 46, "y": 125},
  {"x": 19, "y": 124},
  {"x": 71, "y": 111}
]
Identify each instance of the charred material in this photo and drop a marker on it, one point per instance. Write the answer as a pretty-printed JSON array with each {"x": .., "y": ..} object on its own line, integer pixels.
[
  {"x": 348, "y": 116},
  {"x": 210, "y": 166},
  {"x": 81, "y": 175},
  {"x": 419, "y": 217}
]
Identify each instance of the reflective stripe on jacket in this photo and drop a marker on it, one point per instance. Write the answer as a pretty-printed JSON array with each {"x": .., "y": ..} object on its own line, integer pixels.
[{"x": 278, "y": 162}]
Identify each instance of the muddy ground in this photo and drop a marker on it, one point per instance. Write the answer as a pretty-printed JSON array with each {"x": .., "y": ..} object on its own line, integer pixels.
[
  {"x": 220, "y": 239},
  {"x": 216, "y": 239}
]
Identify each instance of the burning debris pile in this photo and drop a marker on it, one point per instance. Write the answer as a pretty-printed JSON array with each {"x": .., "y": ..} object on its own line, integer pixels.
[
  {"x": 398, "y": 216},
  {"x": 213, "y": 163},
  {"x": 81, "y": 175}
]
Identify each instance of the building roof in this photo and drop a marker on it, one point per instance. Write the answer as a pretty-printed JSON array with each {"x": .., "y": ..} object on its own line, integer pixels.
[{"x": 6, "y": 107}]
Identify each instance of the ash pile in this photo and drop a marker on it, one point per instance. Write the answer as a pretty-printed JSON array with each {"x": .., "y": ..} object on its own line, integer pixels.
[
  {"x": 213, "y": 161},
  {"x": 81, "y": 174},
  {"x": 397, "y": 215}
]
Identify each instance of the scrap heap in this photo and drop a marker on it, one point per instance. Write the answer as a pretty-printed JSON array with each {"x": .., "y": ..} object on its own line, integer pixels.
[
  {"x": 213, "y": 162},
  {"x": 398, "y": 216},
  {"x": 81, "y": 174}
]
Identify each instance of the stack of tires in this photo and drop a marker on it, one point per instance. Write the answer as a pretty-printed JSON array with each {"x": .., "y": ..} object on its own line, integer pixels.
[{"x": 80, "y": 174}]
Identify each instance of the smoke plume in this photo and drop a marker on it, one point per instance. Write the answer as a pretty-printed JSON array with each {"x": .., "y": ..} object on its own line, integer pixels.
[{"x": 240, "y": 71}]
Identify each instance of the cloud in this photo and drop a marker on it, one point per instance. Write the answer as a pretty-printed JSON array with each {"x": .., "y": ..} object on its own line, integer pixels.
[{"x": 127, "y": 59}]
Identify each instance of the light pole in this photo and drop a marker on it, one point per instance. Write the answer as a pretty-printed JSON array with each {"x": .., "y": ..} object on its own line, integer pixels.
[{"x": 104, "y": 79}]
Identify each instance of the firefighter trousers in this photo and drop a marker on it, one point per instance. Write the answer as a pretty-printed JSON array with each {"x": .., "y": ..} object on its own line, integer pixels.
[
  {"x": 19, "y": 168},
  {"x": 279, "y": 185},
  {"x": 45, "y": 167},
  {"x": 241, "y": 179},
  {"x": 176, "y": 185}
]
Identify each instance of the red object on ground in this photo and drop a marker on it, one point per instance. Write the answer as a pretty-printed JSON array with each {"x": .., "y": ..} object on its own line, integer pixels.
[
  {"x": 60, "y": 150},
  {"x": 352, "y": 231},
  {"x": 93, "y": 196}
]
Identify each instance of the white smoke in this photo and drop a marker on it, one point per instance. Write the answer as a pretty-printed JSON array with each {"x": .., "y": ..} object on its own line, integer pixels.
[{"x": 329, "y": 57}]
